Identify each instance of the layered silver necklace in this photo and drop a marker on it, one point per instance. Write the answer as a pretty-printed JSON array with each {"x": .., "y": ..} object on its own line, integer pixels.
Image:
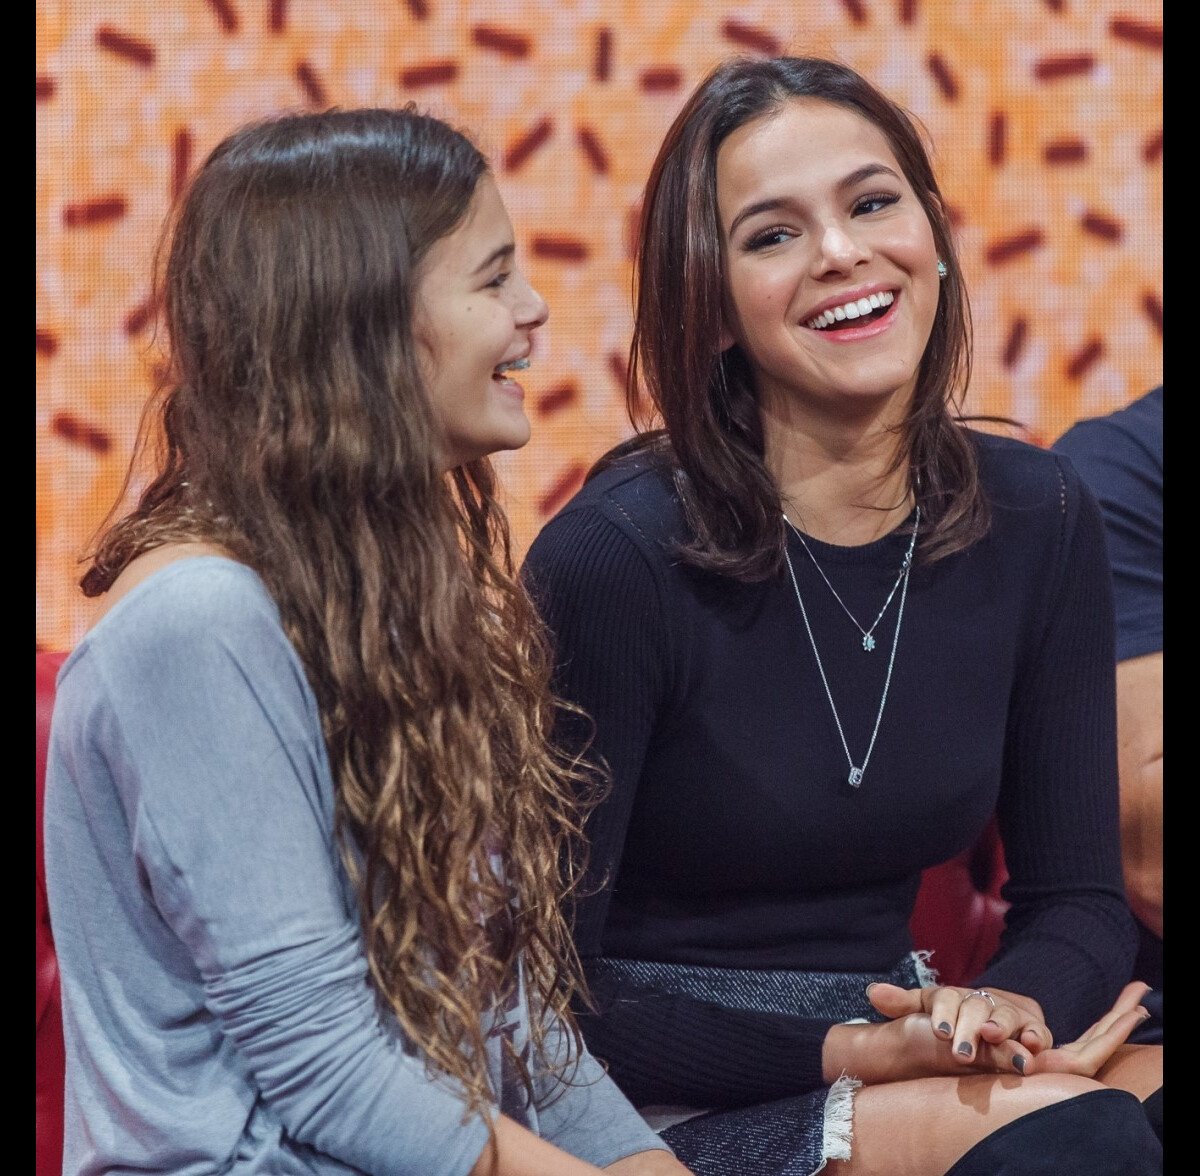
[
  {"x": 868, "y": 640},
  {"x": 857, "y": 771}
]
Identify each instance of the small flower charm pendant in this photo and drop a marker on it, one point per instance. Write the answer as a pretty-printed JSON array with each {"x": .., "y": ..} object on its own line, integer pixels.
[
  {"x": 855, "y": 777},
  {"x": 868, "y": 642}
]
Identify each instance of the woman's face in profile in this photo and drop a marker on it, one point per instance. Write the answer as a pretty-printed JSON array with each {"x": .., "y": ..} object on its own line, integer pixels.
[
  {"x": 475, "y": 319},
  {"x": 830, "y": 258}
]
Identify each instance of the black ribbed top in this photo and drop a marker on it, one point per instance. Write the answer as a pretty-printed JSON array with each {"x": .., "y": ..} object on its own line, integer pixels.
[{"x": 731, "y": 837}]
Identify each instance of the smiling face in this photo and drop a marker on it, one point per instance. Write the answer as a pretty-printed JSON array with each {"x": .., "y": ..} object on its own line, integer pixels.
[
  {"x": 830, "y": 260},
  {"x": 476, "y": 315}
]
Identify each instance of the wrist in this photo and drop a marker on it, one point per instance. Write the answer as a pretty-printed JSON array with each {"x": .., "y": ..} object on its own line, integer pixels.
[
  {"x": 843, "y": 1052},
  {"x": 887, "y": 1051}
]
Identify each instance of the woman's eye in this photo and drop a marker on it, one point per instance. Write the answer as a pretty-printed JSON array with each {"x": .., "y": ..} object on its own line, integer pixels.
[
  {"x": 769, "y": 237},
  {"x": 875, "y": 202},
  {"x": 500, "y": 279}
]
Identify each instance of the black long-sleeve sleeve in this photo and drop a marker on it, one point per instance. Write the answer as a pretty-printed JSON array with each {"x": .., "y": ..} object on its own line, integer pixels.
[
  {"x": 620, "y": 656},
  {"x": 1068, "y": 923}
]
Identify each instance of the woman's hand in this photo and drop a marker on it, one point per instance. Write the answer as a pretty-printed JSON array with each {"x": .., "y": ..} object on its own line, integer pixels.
[
  {"x": 911, "y": 1046},
  {"x": 972, "y": 1019},
  {"x": 1089, "y": 1053}
]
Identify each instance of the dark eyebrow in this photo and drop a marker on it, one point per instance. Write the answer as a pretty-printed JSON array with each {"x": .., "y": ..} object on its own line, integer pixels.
[
  {"x": 503, "y": 252},
  {"x": 855, "y": 177}
]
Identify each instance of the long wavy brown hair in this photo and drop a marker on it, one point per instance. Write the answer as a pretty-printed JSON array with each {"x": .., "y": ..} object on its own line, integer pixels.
[
  {"x": 295, "y": 432},
  {"x": 707, "y": 399}
]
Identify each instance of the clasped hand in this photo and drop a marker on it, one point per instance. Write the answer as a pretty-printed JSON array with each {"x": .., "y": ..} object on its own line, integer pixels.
[{"x": 995, "y": 1031}]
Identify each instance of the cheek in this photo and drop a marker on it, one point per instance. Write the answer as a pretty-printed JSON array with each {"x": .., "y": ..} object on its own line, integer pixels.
[
  {"x": 753, "y": 296},
  {"x": 916, "y": 252},
  {"x": 429, "y": 341},
  {"x": 501, "y": 320},
  {"x": 427, "y": 356},
  {"x": 918, "y": 248}
]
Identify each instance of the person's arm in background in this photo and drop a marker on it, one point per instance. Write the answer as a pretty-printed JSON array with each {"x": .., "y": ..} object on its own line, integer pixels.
[
  {"x": 1140, "y": 763},
  {"x": 1120, "y": 457}
]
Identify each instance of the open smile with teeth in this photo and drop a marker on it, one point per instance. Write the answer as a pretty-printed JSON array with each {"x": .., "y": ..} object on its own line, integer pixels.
[
  {"x": 865, "y": 308},
  {"x": 511, "y": 365}
]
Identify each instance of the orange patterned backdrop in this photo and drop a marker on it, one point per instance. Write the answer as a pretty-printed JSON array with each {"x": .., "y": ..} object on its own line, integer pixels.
[{"x": 1045, "y": 118}]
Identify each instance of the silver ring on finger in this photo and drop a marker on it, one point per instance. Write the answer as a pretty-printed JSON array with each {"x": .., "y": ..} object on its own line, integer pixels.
[{"x": 985, "y": 994}]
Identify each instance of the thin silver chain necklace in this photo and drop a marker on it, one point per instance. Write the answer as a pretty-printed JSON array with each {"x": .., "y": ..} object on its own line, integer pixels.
[
  {"x": 868, "y": 639},
  {"x": 856, "y": 772}
]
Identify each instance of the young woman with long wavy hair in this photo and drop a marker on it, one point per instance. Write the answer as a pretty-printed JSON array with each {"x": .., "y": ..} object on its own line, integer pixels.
[{"x": 305, "y": 836}]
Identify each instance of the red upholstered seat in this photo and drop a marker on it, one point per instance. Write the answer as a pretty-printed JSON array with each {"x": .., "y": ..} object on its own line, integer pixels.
[
  {"x": 959, "y": 912},
  {"x": 49, "y": 1059}
]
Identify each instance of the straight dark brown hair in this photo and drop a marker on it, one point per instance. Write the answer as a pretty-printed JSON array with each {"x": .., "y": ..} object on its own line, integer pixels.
[{"x": 705, "y": 400}]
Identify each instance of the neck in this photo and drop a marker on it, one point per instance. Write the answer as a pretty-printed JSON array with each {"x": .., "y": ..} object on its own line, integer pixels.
[{"x": 847, "y": 486}]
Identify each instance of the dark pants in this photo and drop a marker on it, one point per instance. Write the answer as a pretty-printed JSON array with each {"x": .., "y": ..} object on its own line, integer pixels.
[
  {"x": 1101, "y": 1133},
  {"x": 1149, "y": 967}
]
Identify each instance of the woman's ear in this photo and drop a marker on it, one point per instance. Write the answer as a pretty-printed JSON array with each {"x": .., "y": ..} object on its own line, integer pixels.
[{"x": 726, "y": 340}]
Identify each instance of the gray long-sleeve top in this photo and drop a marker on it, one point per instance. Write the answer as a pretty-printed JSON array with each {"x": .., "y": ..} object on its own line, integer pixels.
[{"x": 216, "y": 1006}]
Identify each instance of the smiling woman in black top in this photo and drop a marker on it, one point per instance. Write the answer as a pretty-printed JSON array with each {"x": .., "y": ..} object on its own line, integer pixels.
[{"x": 825, "y": 631}]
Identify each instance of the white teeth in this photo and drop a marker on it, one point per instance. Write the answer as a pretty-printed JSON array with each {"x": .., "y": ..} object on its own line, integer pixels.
[
  {"x": 851, "y": 310},
  {"x": 513, "y": 365}
]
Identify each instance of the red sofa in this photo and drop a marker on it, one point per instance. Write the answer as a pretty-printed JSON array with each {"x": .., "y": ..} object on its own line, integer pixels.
[
  {"x": 959, "y": 915},
  {"x": 959, "y": 912}
]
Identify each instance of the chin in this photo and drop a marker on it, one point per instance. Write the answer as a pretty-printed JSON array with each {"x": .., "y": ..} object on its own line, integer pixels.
[
  {"x": 881, "y": 385},
  {"x": 498, "y": 443},
  {"x": 509, "y": 445}
]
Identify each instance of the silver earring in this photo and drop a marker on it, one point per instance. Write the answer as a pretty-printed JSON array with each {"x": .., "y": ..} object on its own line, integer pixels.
[{"x": 942, "y": 270}]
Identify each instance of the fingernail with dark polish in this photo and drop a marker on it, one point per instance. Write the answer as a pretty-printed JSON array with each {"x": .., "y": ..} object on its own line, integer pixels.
[
  {"x": 944, "y": 1027},
  {"x": 1019, "y": 1064},
  {"x": 965, "y": 1049}
]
